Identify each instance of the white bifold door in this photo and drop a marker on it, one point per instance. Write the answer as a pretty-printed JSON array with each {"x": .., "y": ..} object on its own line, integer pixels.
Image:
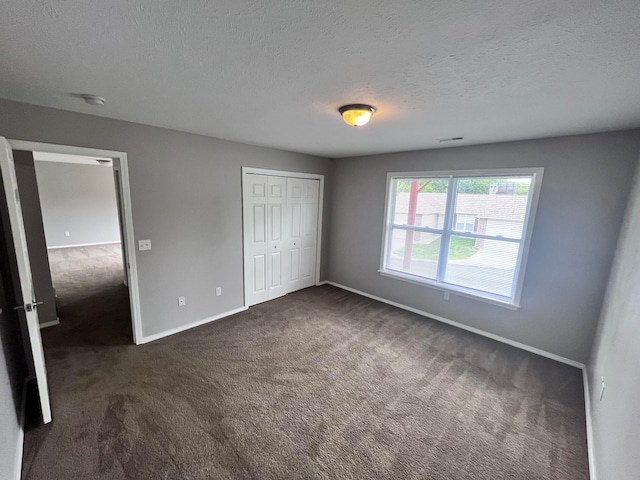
[{"x": 280, "y": 235}]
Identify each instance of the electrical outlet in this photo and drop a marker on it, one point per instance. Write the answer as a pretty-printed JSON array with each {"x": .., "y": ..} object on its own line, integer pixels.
[
  {"x": 182, "y": 301},
  {"x": 601, "y": 388},
  {"x": 144, "y": 245},
  {"x": 218, "y": 291},
  {"x": 67, "y": 234},
  {"x": 446, "y": 295}
]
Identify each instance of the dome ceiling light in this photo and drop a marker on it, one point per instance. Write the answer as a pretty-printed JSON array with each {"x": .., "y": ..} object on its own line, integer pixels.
[{"x": 357, "y": 114}]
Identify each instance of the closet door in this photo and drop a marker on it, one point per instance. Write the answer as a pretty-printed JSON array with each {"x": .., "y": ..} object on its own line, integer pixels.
[
  {"x": 277, "y": 263},
  {"x": 280, "y": 220},
  {"x": 293, "y": 238},
  {"x": 255, "y": 214},
  {"x": 310, "y": 191}
]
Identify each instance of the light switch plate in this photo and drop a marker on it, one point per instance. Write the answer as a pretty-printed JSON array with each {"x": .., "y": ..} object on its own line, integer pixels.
[{"x": 144, "y": 245}]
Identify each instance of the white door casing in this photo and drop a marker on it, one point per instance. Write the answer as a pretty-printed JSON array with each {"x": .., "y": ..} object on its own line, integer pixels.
[
  {"x": 130, "y": 245},
  {"x": 309, "y": 232},
  {"x": 27, "y": 310}
]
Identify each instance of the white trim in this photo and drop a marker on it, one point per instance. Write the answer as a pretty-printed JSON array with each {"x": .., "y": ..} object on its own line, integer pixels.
[
  {"x": 524, "y": 242},
  {"x": 189, "y": 326},
  {"x": 119, "y": 161},
  {"x": 453, "y": 323},
  {"x": 52, "y": 323},
  {"x": 319, "y": 239},
  {"x": 81, "y": 245},
  {"x": 63, "y": 149},
  {"x": 590, "y": 438},
  {"x": 455, "y": 289},
  {"x": 479, "y": 172},
  {"x": 585, "y": 377},
  {"x": 283, "y": 173},
  {"x": 17, "y": 464}
]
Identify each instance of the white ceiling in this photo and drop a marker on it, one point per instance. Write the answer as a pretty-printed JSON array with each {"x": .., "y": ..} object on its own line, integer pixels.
[{"x": 274, "y": 72}]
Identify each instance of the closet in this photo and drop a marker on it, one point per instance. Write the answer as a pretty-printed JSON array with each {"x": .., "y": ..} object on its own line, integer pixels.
[{"x": 280, "y": 220}]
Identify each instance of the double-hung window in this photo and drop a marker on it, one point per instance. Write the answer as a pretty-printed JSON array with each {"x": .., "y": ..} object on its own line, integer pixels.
[{"x": 466, "y": 232}]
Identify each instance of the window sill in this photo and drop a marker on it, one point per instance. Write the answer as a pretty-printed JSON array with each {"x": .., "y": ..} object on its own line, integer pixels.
[{"x": 448, "y": 288}]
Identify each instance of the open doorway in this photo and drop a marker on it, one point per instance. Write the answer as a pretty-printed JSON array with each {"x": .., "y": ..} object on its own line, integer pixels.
[
  {"x": 115, "y": 286},
  {"x": 81, "y": 224},
  {"x": 77, "y": 213}
]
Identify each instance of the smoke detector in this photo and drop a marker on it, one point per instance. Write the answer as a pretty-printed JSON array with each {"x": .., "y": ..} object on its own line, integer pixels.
[{"x": 93, "y": 99}]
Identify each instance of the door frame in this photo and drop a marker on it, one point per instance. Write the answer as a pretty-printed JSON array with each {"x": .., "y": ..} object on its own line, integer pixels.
[
  {"x": 282, "y": 173},
  {"x": 119, "y": 160}
]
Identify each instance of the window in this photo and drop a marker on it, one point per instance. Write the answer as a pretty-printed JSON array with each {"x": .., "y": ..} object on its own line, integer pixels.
[
  {"x": 466, "y": 232},
  {"x": 464, "y": 223}
]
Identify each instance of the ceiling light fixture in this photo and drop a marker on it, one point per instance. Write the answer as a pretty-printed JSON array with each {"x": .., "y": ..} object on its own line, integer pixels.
[
  {"x": 93, "y": 99},
  {"x": 357, "y": 114}
]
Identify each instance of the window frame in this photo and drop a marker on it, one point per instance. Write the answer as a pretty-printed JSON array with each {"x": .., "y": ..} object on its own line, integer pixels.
[{"x": 512, "y": 302}]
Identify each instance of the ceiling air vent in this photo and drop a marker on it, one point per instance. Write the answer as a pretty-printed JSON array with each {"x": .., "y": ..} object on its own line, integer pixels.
[{"x": 451, "y": 139}]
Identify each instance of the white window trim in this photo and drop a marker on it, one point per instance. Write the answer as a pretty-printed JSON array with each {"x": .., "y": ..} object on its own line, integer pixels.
[{"x": 527, "y": 230}]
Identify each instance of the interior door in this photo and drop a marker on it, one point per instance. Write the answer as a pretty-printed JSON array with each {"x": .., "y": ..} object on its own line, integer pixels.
[
  {"x": 276, "y": 232},
  {"x": 26, "y": 304},
  {"x": 293, "y": 237},
  {"x": 255, "y": 208}
]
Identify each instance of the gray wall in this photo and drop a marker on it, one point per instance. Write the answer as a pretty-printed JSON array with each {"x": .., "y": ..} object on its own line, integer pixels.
[
  {"x": 616, "y": 357},
  {"x": 186, "y": 195},
  {"x": 584, "y": 191},
  {"x": 32, "y": 216},
  {"x": 79, "y": 199}
]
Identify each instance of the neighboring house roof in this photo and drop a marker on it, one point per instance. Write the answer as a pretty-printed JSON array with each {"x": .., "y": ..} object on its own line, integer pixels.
[{"x": 504, "y": 207}]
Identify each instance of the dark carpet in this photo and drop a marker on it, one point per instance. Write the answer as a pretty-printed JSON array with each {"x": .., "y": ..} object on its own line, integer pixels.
[{"x": 321, "y": 383}]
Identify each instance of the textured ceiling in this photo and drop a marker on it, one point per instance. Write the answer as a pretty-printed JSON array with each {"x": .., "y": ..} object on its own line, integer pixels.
[{"x": 274, "y": 72}]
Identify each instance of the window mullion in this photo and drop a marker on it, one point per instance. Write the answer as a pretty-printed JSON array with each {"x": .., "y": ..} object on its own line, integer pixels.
[
  {"x": 446, "y": 234},
  {"x": 390, "y": 213}
]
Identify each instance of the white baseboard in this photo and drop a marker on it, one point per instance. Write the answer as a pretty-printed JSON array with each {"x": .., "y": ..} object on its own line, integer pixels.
[
  {"x": 50, "y": 324},
  {"x": 166, "y": 333},
  {"x": 81, "y": 245},
  {"x": 522, "y": 346},
  {"x": 17, "y": 465},
  {"x": 587, "y": 406},
  {"x": 453, "y": 323}
]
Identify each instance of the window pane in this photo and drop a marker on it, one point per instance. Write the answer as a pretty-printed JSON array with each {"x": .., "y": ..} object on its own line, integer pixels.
[
  {"x": 497, "y": 205},
  {"x": 420, "y": 201},
  {"x": 414, "y": 252},
  {"x": 486, "y": 265}
]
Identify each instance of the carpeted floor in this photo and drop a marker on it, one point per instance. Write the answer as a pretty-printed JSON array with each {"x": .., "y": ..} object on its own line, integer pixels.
[{"x": 321, "y": 383}]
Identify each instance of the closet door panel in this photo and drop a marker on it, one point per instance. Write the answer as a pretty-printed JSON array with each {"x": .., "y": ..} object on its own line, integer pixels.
[
  {"x": 255, "y": 216},
  {"x": 293, "y": 241},
  {"x": 276, "y": 232}
]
